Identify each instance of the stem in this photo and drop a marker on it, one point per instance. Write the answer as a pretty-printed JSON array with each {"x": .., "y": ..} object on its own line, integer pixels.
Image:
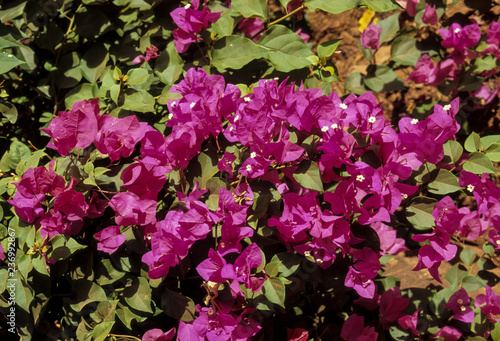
[
  {"x": 279, "y": 20},
  {"x": 126, "y": 336},
  {"x": 298, "y": 9}
]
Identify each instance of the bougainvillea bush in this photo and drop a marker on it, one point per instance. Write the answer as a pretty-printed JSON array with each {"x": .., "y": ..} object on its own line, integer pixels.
[{"x": 192, "y": 177}]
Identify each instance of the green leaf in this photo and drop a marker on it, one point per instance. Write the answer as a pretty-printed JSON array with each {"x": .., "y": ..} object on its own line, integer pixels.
[
  {"x": 288, "y": 263},
  {"x": 467, "y": 256},
  {"x": 272, "y": 268},
  {"x": 9, "y": 111},
  {"x": 8, "y": 61},
  {"x": 455, "y": 275},
  {"x": 18, "y": 151},
  {"x": 473, "y": 143},
  {"x": 390, "y": 27},
  {"x": 138, "y": 295},
  {"x": 334, "y": 7},
  {"x": 487, "y": 141},
  {"x": 495, "y": 332},
  {"x": 225, "y": 25},
  {"x": 382, "y": 78},
  {"x": 250, "y": 8},
  {"x": 68, "y": 73},
  {"x": 138, "y": 100},
  {"x": 493, "y": 152},
  {"x": 380, "y": 5},
  {"x": 168, "y": 65},
  {"x": 208, "y": 163},
  {"x": 234, "y": 52},
  {"x": 287, "y": 51},
  {"x": 177, "y": 306},
  {"x": 443, "y": 182},
  {"x": 327, "y": 48},
  {"x": 355, "y": 83},
  {"x": 94, "y": 62},
  {"x": 274, "y": 291},
  {"x": 309, "y": 176},
  {"x": 485, "y": 63},
  {"x": 471, "y": 283},
  {"x": 40, "y": 265},
  {"x": 81, "y": 92},
  {"x": 62, "y": 247},
  {"x": 478, "y": 163},
  {"x": 419, "y": 213},
  {"x": 137, "y": 76},
  {"x": 404, "y": 51},
  {"x": 12, "y": 10},
  {"x": 452, "y": 151},
  {"x": 86, "y": 292},
  {"x": 24, "y": 293},
  {"x": 101, "y": 331}
]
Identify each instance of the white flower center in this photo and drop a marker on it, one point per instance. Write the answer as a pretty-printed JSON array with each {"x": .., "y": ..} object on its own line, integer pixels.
[
  {"x": 319, "y": 261},
  {"x": 404, "y": 196},
  {"x": 307, "y": 253},
  {"x": 470, "y": 188},
  {"x": 192, "y": 105},
  {"x": 324, "y": 128},
  {"x": 343, "y": 106},
  {"x": 334, "y": 126},
  {"x": 414, "y": 121},
  {"x": 246, "y": 99},
  {"x": 447, "y": 107},
  {"x": 170, "y": 116},
  {"x": 249, "y": 168},
  {"x": 253, "y": 155},
  {"x": 231, "y": 128},
  {"x": 187, "y": 6},
  {"x": 236, "y": 118},
  {"x": 457, "y": 30},
  {"x": 360, "y": 178},
  {"x": 372, "y": 119}
]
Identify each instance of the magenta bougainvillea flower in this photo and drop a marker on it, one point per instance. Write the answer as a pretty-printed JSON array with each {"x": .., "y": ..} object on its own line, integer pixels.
[
  {"x": 430, "y": 15},
  {"x": 132, "y": 210},
  {"x": 354, "y": 329},
  {"x": 151, "y": 53},
  {"x": 391, "y": 306},
  {"x": 118, "y": 137},
  {"x": 459, "y": 304},
  {"x": 191, "y": 21},
  {"x": 460, "y": 38},
  {"x": 158, "y": 335},
  {"x": 76, "y": 128},
  {"x": 250, "y": 27},
  {"x": 426, "y": 72},
  {"x": 410, "y": 322},
  {"x": 370, "y": 37},
  {"x": 360, "y": 275},
  {"x": 449, "y": 333},
  {"x": 493, "y": 39},
  {"x": 109, "y": 239},
  {"x": 489, "y": 304}
]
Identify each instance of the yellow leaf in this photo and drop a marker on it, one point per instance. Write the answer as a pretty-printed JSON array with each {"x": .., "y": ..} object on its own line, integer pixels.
[{"x": 365, "y": 19}]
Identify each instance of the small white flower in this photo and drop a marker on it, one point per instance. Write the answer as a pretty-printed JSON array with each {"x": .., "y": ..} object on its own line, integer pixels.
[
  {"x": 253, "y": 155},
  {"x": 470, "y": 188},
  {"x": 231, "y": 128},
  {"x": 372, "y": 119},
  {"x": 170, "y": 116},
  {"x": 276, "y": 78},
  {"x": 498, "y": 242},
  {"x": 457, "y": 30},
  {"x": 246, "y": 99},
  {"x": 321, "y": 140},
  {"x": 307, "y": 253},
  {"x": 324, "y": 128},
  {"x": 236, "y": 118},
  {"x": 447, "y": 107},
  {"x": 10, "y": 55},
  {"x": 319, "y": 261},
  {"x": 187, "y": 6},
  {"x": 414, "y": 121},
  {"x": 192, "y": 105},
  {"x": 360, "y": 178},
  {"x": 404, "y": 196},
  {"x": 334, "y": 126},
  {"x": 343, "y": 106},
  {"x": 249, "y": 168}
]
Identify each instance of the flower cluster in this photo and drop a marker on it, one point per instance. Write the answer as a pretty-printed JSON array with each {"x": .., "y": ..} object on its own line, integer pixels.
[{"x": 191, "y": 22}]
